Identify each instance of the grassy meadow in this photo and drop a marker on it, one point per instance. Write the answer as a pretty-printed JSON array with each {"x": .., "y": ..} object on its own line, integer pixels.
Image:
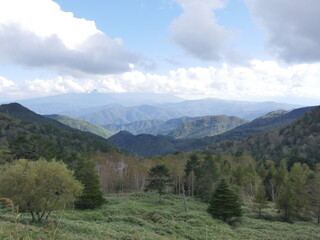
[{"x": 134, "y": 217}]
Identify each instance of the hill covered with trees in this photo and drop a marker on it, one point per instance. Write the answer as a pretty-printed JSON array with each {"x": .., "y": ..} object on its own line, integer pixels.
[
  {"x": 25, "y": 131},
  {"x": 81, "y": 125}
]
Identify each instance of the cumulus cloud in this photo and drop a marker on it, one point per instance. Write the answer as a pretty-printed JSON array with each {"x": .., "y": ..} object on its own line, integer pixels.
[
  {"x": 261, "y": 80},
  {"x": 38, "y": 33},
  {"x": 291, "y": 26},
  {"x": 5, "y": 84},
  {"x": 196, "y": 30}
]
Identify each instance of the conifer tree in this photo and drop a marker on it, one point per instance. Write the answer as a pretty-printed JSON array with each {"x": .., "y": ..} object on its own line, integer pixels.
[
  {"x": 159, "y": 179},
  {"x": 92, "y": 196},
  {"x": 225, "y": 203}
]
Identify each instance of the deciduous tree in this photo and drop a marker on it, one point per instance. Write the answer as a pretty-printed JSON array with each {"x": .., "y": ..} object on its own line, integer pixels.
[{"x": 38, "y": 187}]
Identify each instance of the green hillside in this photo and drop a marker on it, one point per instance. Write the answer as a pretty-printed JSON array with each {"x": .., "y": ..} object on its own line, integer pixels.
[
  {"x": 81, "y": 125},
  {"x": 206, "y": 126},
  {"x": 301, "y": 138},
  {"x": 23, "y": 128}
]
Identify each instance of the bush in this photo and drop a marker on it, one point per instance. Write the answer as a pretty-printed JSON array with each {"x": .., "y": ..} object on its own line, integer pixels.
[{"x": 38, "y": 187}]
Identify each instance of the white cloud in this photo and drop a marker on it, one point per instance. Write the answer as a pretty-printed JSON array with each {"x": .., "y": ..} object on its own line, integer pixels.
[
  {"x": 45, "y": 18},
  {"x": 292, "y": 28},
  {"x": 196, "y": 30},
  {"x": 260, "y": 81},
  {"x": 5, "y": 84},
  {"x": 38, "y": 33}
]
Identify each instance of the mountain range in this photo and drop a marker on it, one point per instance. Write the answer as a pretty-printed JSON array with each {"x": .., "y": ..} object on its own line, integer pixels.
[
  {"x": 183, "y": 127},
  {"x": 75, "y": 102},
  {"x": 122, "y": 108},
  {"x": 148, "y": 145}
]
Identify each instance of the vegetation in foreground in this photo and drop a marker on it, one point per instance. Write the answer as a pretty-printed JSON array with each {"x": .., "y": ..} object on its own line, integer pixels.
[{"x": 129, "y": 217}]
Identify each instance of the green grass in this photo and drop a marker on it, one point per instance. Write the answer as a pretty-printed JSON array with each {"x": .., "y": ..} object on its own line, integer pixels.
[{"x": 132, "y": 217}]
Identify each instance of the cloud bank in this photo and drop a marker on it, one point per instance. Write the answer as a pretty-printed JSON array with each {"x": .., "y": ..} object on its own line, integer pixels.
[
  {"x": 261, "y": 80},
  {"x": 38, "y": 33}
]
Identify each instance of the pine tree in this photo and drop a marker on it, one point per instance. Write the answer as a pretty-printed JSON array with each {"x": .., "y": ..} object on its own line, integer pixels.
[
  {"x": 208, "y": 177},
  {"x": 159, "y": 179},
  {"x": 92, "y": 196},
  {"x": 225, "y": 203}
]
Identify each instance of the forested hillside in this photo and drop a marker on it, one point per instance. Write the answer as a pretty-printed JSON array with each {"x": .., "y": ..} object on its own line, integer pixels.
[
  {"x": 300, "y": 138},
  {"x": 22, "y": 129},
  {"x": 206, "y": 126},
  {"x": 81, "y": 125}
]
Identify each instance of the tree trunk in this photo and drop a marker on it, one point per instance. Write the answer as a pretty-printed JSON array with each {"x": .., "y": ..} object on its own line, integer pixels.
[{"x": 184, "y": 198}]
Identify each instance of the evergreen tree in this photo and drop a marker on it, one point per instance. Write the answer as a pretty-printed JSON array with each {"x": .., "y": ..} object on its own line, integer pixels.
[
  {"x": 208, "y": 177},
  {"x": 92, "y": 196},
  {"x": 159, "y": 179},
  {"x": 224, "y": 203}
]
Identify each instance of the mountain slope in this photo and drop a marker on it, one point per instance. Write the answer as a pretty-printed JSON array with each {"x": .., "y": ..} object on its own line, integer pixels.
[
  {"x": 17, "y": 121},
  {"x": 206, "y": 126},
  {"x": 265, "y": 123},
  {"x": 301, "y": 138},
  {"x": 81, "y": 125}
]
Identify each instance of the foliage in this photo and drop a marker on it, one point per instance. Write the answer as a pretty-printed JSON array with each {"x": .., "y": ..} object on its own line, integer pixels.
[
  {"x": 260, "y": 199},
  {"x": 285, "y": 200},
  {"x": 159, "y": 179},
  {"x": 92, "y": 196},
  {"x": 38, "y": 187},
  {"x": 298, "y": 141},
  {"x": 133, "y": 217},
  {"x": 30, "y": 135},
  {"x": 81, "y": 125},
  {"x": 224, "y": 204}
]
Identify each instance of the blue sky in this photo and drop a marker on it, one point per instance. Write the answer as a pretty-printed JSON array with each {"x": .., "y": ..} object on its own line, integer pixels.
[{"x": 252, "y": 50}]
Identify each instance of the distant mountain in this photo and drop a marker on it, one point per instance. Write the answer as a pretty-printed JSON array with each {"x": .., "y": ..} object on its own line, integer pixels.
[
  {"x": 81, "y": 125},
  {"x": 206, "y": 126},
  {"x": 154, "y": 127},
  {"x": 116, "y": 114},
  {"x": 70, "y": 102},
  {"x": 137, "y": 127},
  {"x": 212, "y": 106},
  {"x": 17, "y": 121},
  {"x": 148, "y": 145},
  {"x": 298, "y": 140}
]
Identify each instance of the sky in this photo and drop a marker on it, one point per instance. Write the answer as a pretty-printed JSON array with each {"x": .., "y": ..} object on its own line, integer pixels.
[{"x": 251, "y": 50}]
